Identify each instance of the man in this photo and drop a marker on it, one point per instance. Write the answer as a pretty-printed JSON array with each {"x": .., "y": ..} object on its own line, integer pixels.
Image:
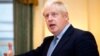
[{"x": 68, "y": 40}]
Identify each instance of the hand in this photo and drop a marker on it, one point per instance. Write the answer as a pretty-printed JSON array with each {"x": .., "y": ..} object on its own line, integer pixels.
[{"x": 10, "y": 51}]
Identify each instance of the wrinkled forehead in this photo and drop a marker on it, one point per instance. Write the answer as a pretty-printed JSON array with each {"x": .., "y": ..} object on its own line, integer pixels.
[
  {"x": 55, "y": 5},
  {"x": 53, "y": 8}
]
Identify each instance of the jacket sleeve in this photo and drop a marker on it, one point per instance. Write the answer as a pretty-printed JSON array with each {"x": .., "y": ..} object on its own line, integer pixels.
[{"x": 35, "y": 52}]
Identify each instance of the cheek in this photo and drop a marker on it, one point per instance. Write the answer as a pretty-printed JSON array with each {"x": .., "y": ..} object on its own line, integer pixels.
[
  {"x": 46, "y": 21},
  {"x": 61, "y": 22}
]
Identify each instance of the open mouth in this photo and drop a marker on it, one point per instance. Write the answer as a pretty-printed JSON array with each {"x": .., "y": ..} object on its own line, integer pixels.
[{"x": 52, "y": 25}]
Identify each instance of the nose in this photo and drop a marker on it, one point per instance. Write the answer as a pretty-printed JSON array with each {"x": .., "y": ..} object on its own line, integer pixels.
[{"x": 50, "y": 18}]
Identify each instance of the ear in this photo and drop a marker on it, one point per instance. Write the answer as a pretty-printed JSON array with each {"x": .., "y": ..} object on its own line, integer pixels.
[{"x": 66, "y": 16}]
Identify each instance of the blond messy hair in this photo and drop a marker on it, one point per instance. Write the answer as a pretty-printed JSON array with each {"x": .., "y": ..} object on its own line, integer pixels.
[{"x": 58, "y": 3}]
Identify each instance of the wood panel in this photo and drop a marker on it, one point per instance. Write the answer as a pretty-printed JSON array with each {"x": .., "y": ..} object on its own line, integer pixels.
[{"x": 28, "y": 2}]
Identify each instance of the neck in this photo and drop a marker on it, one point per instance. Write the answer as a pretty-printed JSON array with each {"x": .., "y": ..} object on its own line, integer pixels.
[{"x": 57, "y": 33}]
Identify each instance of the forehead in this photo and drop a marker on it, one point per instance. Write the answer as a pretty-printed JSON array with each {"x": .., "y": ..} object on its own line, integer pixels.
[{"x": 52, "y": 8}]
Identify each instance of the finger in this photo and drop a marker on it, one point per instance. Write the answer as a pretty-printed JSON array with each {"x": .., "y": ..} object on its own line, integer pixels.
[
  {"x": 10, "y": 46},
  {"x": 10, "y": 53},
  {"x": 5, "y": 54}
]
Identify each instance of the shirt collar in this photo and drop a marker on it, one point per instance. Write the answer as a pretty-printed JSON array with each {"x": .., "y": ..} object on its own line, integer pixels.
[{"x": 63, "y": 31}]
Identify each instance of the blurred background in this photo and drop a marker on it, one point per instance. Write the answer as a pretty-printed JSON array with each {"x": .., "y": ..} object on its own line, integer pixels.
[
  {"x": 6, "y": 25},
  {"x": 22, "y": 23}
]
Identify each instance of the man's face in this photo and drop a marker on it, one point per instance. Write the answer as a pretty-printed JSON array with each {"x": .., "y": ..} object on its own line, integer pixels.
[{"x": 55, "y": 19}]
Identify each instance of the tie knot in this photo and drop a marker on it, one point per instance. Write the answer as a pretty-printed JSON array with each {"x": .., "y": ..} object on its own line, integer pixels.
[{"x": 55, "y": 40}]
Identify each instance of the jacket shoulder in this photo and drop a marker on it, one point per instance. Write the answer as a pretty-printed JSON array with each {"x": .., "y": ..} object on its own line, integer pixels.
[
  {"x": 48, "y": 38},
  {"x": 79, "y": 32}
]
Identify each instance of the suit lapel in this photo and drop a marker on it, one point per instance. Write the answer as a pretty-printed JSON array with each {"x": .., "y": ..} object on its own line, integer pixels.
[
  {"x": 63, "y": 40},
  {"x": 47, "y": 45}
]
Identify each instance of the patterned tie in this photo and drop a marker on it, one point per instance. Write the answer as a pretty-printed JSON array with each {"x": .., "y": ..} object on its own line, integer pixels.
[{"x": 52, "y": 46}]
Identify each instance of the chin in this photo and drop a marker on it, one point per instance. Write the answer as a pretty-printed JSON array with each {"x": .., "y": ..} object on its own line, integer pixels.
[{"x": 53, "y": 32}]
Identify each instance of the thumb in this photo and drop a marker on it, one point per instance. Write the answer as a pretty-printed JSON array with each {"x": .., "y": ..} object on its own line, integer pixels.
[
  {"x": 10, "y": 51},
  {"x": 10, "y": 46}
]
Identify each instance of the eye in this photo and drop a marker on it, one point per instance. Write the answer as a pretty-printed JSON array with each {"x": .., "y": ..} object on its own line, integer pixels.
[
  {"x": 46, "y": 15},
  {"x": 54, "y": 14}
]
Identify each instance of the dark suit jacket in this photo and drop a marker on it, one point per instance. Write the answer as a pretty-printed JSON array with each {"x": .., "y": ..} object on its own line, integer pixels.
[{"x": 74, "y": 42}]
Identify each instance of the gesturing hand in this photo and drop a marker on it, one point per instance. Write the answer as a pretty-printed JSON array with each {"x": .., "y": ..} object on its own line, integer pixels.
[{"x": 10, "y": 51}]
